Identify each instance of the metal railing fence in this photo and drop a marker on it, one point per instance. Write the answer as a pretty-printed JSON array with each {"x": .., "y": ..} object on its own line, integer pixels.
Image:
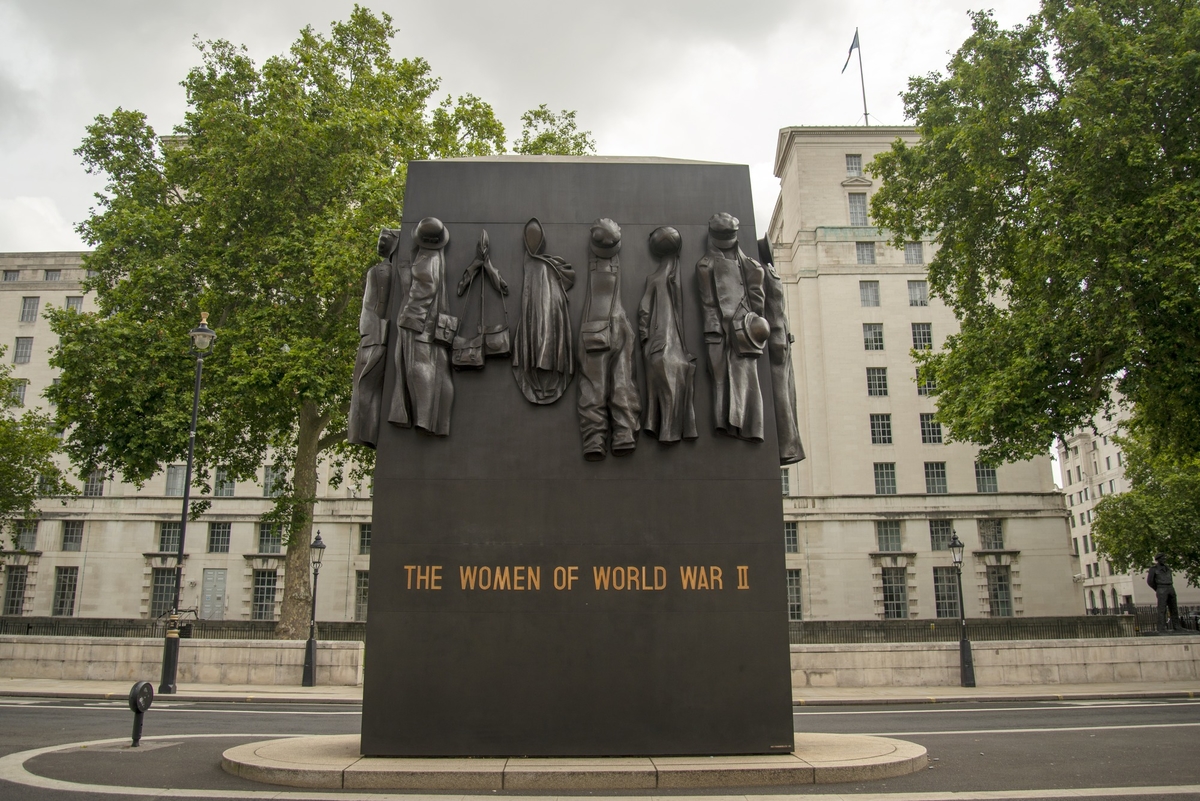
[
  {"x": 199, "y": 629},
  {"x": 820, "y": 632}
]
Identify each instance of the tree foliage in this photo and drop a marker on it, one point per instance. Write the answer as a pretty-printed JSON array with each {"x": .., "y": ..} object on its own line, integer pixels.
[
  {"x": 28, "y": 471},
  {"x": 1160, "y": 512},
  {"x": 1058, "y": 169},
  {"x": 544, "y": 133},
  {"x": 263, "y": 210}
]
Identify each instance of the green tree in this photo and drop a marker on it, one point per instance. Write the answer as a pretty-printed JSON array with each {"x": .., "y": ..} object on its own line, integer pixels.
[
  {"x": 1159, "y": 513},
  {"x": 1058, "y": 169},
  {"x": 263, "y": 210},
  {"x": 28, "y": 471},
  {"x": 544, "y": 133}
]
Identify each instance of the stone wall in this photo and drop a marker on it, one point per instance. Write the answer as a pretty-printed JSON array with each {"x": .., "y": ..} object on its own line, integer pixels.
[
  {"x": 263, "y": 662},
  {"x": 1014, "y": 662}
]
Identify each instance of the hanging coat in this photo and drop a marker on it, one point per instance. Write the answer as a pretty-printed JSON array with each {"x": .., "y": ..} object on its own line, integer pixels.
[{"x": 543, "y": 358}]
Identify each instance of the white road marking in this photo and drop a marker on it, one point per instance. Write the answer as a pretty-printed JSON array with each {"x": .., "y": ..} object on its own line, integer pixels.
[
  {"x": 1032, "y": 731},
  {"x": 12, "y": 769},
  {"x": 938, "y": 710},
  {"x": 156, "y": 708}
]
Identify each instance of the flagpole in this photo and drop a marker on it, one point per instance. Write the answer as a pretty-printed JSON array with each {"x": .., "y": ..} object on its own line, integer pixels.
[{"x": 862, "y": 81}]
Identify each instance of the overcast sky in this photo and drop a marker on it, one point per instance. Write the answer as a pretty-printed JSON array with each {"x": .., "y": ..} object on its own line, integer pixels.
[{"x": 699, "y": 79}]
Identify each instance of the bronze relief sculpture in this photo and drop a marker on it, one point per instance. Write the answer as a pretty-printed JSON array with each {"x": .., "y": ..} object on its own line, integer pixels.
[
  {"x": 424, "y": 391},
  {"x": 366, "y": 403},
  {"x": 468, "y": 353},
  {"x": 543, "y": 362},
  {"x": 670, "y": 368},
  {"x": 779, "y": 351},
  {"x": 609, "y": 401},
  {"x": 735, "y": 331}
]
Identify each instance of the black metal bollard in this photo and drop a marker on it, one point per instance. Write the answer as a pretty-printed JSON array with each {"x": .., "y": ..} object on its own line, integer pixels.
[{"x": 140, "y": 699}]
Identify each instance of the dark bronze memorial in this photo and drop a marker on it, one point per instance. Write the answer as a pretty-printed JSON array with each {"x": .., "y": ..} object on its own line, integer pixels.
[{"x": 529, "y": 596}]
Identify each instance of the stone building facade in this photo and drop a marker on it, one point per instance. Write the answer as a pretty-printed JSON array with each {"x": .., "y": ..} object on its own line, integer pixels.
[
  {"x": 869, "y": 513},
  {"x": 1092, "y": 466}
]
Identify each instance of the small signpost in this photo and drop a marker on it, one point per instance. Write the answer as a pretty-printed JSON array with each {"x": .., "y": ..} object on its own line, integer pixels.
[{"x": 140, "y": 699}]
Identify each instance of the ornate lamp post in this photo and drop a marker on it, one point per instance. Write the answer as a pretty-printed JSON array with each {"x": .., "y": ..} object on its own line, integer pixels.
[
  {"x": 965, "y": 663},
  {"x": 202, "y": 340},
  {"x": 316, "y": 553}
]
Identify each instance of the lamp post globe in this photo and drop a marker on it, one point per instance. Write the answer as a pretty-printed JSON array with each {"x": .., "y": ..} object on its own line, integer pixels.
[
  {"x": 316, "y": 552},
  {"x": 966, "y": 662},
  {"x": 202, "y": 338}
]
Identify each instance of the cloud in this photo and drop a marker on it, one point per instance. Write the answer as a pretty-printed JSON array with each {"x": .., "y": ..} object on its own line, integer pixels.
[{"x": 34, "y": 224}]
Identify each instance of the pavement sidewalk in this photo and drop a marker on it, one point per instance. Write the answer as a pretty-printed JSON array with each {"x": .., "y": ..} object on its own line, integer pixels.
[{"x": 802, "y": 696}]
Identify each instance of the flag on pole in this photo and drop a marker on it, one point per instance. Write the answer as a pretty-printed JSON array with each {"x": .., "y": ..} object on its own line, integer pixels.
[{"x": 853, "y": 45}]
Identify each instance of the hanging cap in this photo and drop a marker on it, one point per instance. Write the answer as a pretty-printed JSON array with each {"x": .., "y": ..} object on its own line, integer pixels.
[
  {"x": 606, "y": 238},
  {"x": 431, "y": 233},
  {"x": 665, "y": 241},
  {"x": 723, "y": 229}
]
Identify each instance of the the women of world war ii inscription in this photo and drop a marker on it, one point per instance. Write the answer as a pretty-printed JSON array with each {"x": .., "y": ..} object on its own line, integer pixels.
[{"x": 580, "y": 556}]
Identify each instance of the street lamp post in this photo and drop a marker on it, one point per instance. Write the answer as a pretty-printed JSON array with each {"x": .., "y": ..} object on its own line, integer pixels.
[
  {"x": 316, "y": 553},
  {"x": 202, "y": 340},
  {"x": 966, "y": 664}
]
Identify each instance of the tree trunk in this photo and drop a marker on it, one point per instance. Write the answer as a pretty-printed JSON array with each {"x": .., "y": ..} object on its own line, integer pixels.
[{"x": 297, "y": 582}]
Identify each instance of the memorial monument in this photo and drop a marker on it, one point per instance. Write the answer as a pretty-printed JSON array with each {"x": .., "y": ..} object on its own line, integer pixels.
[{"x": 530, "y": 596}]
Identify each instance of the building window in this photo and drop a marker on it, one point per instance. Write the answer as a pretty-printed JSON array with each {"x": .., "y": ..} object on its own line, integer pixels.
[
  {"x": 27, "y": 535},
  {"x": 1112, "y": 486},
  {"x": 794, "y": 598},
  {"x": 784, "y": 480},
  {"x": 991, "y": 534},
  {"x": 935, "y": 478},
  {"x": 914, "y": 253},
  {"x": 881, "y": 429},
  {"x": 162, "y": 591},
  {"x": 939, "y": 534},
  {"x": 72, "y": 535},
  {"x": 218, "y": 537},
  {"x": 922, "y": 336},
  {"x": 985, "y": 478},
  {"x": 877, "y": 381},
  {"x": 361, "y": 585},
  {"x": 364, "y": 539},
  {"x": 223, "y": 483},
  {"x": 1108, "y": 463},
  {"x": 868, "y": 293},
  {"x": 53, "y": 275},
  {"x": 885, "y": 478},
  {"x": 75, "y": 303},
  {"x": 887, "y": 535},
  {"x": 12, "y": 275},
  {"x": 65, "y": 581},
  {"x": 895, "y": 593},
  {"x": 931, "y": 430},
  {"x": 1074, "y": 540},
  {"x": 273, "y": 481},
  {"x": 14, "y": 589},
  {"x": 999, "y": 579},
  {"x": 1072, "y": 518},
  {"x": 865, "y": 252},
  {"x": 854, "y": 165},
  {"x": 1067, "y": 472},
  {"x": 262, "y": 605},
  {"x": 873, "y": 336},
  {"x": 270, "y": 538},
  {"x": 945, "y": 592},
  {"x": 18, "y": 391},
  {"x": 168, "y": 537},
  {"x": 93, "y": 487},
  {"x": 791, "y": 537},
  {"x": 925, "y": 388},
  {"x": 858, "y": 210},
  {"x": 23, "y": 351},
  {"x": 175, "y": 480},
  {"x": 29, "y": 307}
]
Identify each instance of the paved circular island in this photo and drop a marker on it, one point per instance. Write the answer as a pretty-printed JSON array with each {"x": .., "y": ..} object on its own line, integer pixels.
[{"x": 331, "y": 762}]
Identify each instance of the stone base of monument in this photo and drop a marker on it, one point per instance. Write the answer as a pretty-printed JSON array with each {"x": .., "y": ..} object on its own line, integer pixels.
[{"x": 333, "y": 761}]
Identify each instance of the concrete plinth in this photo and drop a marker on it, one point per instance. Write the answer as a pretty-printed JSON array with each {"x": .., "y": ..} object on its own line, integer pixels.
[{"x": 333, "y": 762}]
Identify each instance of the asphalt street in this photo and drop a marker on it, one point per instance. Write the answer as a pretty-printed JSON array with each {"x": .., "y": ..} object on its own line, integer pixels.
[{"x": 1093, "y": 749}]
